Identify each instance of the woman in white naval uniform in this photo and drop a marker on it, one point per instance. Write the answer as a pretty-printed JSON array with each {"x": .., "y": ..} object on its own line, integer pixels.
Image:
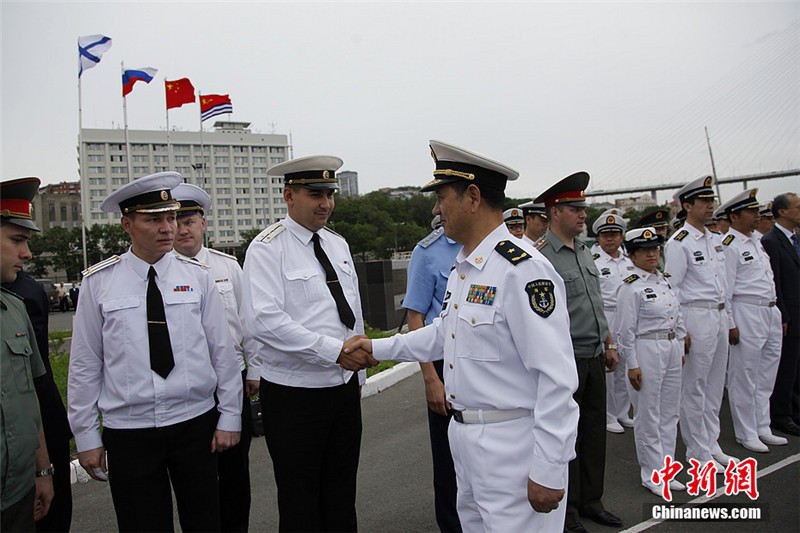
[{"x": 650, "y": 338}]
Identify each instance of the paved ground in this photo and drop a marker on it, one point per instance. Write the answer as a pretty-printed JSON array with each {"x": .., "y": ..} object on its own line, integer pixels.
[
  {"x": 61, "y": 321},
  {"x": 395, "y": 493}
]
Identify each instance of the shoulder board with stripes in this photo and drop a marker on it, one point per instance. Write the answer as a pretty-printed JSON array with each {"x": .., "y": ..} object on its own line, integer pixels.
[
  {"x": 330, "y": 230},
  {"x": 271, "y": 232},
  {"x": 728, "y": 240},
  {"x": 631, "y": 278},
  {"x": 540, "y": 243},
  {"x": 191, "y": 260},
  {"x": 431, "y": 238},
  {"x": 667, "y": 274},
  {"x": 223, "y": 254},
  {"x": 681, "y": 235},
  {"x": 101, "y": 265},
  {"x": 513, "y": 253}
]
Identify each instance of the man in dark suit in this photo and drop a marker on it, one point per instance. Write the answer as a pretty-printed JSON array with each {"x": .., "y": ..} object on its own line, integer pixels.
[
  {"x": 782, "y": 243},
  {"x": 54, "y": 416}
]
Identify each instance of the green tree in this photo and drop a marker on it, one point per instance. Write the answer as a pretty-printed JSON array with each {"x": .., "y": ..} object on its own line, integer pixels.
[{"x": 246, "y": 238}]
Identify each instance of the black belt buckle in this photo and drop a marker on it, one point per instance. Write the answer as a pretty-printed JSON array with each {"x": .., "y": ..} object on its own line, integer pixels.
[{"x": 458, "y": 416}]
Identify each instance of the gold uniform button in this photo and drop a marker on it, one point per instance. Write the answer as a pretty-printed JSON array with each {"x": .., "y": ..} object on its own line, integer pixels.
[
  {"x": 453, "y": 335},
  {"x": 473, "y": 320},
  {"x": 456, "y": 306},
  {"x": 463, "y": 276},
  {"x": 452, "y": 396},
  {"x": 451, "y": 365}
]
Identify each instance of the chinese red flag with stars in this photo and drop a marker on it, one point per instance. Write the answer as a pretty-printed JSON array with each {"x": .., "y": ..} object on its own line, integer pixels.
[{"x": 179, "y": 92}]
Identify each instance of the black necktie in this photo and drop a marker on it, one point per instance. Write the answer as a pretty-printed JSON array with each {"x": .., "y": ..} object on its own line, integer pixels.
[
  {"x": 345, "y": 313},
  {"x": 161, "y": 360}
]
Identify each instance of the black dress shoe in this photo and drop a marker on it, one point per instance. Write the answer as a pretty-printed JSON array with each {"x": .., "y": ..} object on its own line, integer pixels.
[
  {"x": 604, "y": 518},
  {"x": 575, "y": 527},
  {"x": 788, "y": 427}
]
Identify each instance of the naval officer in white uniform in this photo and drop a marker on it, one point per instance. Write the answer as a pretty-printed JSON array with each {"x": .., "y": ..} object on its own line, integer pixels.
[
  {"x": 149, "y": 352},
  {"x": 509, "y": 369},
  {"x": 755, "y": 334}
]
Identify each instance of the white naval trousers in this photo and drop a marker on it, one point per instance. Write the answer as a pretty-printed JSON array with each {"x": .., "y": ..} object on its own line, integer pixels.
[
  {"x": 618, "y": 399},
  {"x": 655, "y": 428},
  {"x": 752, "y": 368},
  {"x": 703, "y": 381},
  {"x": 492, "y": 463}
]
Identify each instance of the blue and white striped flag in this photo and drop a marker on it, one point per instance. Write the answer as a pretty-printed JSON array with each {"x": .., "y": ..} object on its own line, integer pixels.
[{"x": 90, "y": 49}]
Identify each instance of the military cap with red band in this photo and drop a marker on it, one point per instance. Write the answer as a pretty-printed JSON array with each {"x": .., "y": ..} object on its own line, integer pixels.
[
  {"x": 568, "y": 191},
  {"x": 15, "y": 201}
]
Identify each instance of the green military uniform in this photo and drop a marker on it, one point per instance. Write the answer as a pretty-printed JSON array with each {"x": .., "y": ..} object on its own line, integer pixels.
[
  {"x": 19, "y": 424},
  {"x": 588, "y": 329},
  {"x": 588, "y": 325}
]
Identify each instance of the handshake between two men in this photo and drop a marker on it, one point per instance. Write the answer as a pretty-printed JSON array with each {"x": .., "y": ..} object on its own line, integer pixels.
[{"x": 356, "y": 354}]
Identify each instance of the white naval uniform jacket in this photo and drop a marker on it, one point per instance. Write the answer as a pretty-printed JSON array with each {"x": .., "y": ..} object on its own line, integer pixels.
[
  {"x": 645, "y": 304},
  {"x": 227, "y": 276},
  {"x": 612, "y": 271},
  {"x": 748, "y": 269},
  {"x": 290, "y": 311},
  {"x": 109, "y": 367},
  {"x": 695, "y": 261},
  {"x": 501, "y": 349}
]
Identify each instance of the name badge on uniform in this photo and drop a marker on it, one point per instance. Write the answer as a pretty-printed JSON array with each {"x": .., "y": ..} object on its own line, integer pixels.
[
  {"x": 606, "y": 271},
  {"x": 698, "y": 256},
  {"x": 444, "y": 302},
  {"x": 183, "y": 288},
  {"x": 481, "y": 294}
]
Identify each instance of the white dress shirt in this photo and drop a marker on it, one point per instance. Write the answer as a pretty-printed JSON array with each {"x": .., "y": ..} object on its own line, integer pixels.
[
  {"x": 645, "y": 305},
  {"x": 109, "y": 368},
  {"x": 290, "y": 311},
  {"x": 695, "y": 261},
  {"x": 747, "y": 268},
  {"x": 227, "y": 276},
  {"x": 499, "y": 353},
  {"x": 612, "y": 271}
]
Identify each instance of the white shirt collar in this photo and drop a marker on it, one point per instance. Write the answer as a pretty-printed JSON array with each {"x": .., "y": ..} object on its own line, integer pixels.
[{"x": 785, "y": 231}]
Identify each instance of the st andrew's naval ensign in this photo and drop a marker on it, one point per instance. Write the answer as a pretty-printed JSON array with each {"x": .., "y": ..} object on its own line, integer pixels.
[{"x": 542, "y": 297}]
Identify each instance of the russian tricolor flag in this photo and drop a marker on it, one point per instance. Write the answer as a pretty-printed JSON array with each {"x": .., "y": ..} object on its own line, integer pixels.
[{"x": 131, "y": 76}]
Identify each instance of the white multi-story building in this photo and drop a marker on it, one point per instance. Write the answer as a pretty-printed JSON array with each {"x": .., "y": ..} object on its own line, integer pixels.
[
  {"x": 348, "y": 183},
  {"x": 230, "y": 163}
]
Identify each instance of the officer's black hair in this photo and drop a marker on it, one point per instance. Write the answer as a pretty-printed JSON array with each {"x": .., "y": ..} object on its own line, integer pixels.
[
  {"x": 494, "y": 198},
  {"x": 782, "y": 201}
]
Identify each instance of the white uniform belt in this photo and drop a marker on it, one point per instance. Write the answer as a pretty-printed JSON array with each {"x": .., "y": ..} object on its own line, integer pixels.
[
  {"x": 658, "y": 336},
  {"x": 705, "y": 305},
  {"x": 763, "y": 302},
  {"x": 489, "y": 416}
]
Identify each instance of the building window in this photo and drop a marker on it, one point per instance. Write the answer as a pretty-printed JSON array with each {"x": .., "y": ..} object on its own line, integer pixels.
[
  {"x": 244, "y": 222},
  {"x": 97, "y": 181},
  {"x": 96, "y": 192},
  {"x": 239, "y": 160},
  {"x": 277, "y": 180},
  {"x": 259, "y": 170},
  {"x": 139, "y": 147},
  {"x": 224, "y": 212},
  {"x": 240, "y": 149},
  {"x": 183, "y": 170},
  {"x": 222, "y": 170},
  {"x": 259, "y": 149},
  {"x": 243, "y": 211},
  {"x": 262, "y": 210},
  {"x": 221, "y": 159},
  {"x": 96, "y": 158},
  {"x": 243, "y": 201},
  {"x": 202, "y": 159},
  {"x": 95, "y": 146},
  {"x": 241, "y": 190},
  {"x": 119, "y": 170},
  {"x": 141, "y": 158},
  {"x": 221, "y": 181},
  {"x": 209, "y": 222},
  {"x": 181, "y": 158},
  {"x": 141, "y": 170},
  {"x": 241, "y": 170},
  {"x": 277, "y": 190},
  {"x": 221, "y": 150},
  {"x": 275, "y": 160},
  {"x": 95, "y": 204},
  {"x": 260, "y": 180},
  {"x": 180, "y": 147},
  {"x": 116, "y": 147},
  {"x": 277, "y": 200},
  {"x": 223, "y": 190},
  {"x": 276, "y": 149},
  {"x": 223, "y": 201},
  {"x": 257, "y": 159},
  {"x": 121, "y": 158},
  {"x": 243, "y": 181},
  {"x": 97, "y": 170},
  {"x": 160, "y": 169},
  {"x": 279, "y": 211},
  {"x": 63, "y": 213},
  {"x": 159, "y": 147},
  {"x": 51, "y": 210},
  {"x": 119, "y": 181},
  {"x": 226, "y": 222},
  {"x": 162, "y": 158}
]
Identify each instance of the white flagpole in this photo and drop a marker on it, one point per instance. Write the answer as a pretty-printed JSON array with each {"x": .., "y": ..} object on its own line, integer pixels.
[
  {"x": 169, "y": 148},
  {"x": 82, "y": 177},
  {"x": 125, "y": 118}
]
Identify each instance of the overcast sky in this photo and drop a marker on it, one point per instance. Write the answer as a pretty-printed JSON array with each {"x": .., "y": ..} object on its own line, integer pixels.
[{"x": 621, "y": 90}]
